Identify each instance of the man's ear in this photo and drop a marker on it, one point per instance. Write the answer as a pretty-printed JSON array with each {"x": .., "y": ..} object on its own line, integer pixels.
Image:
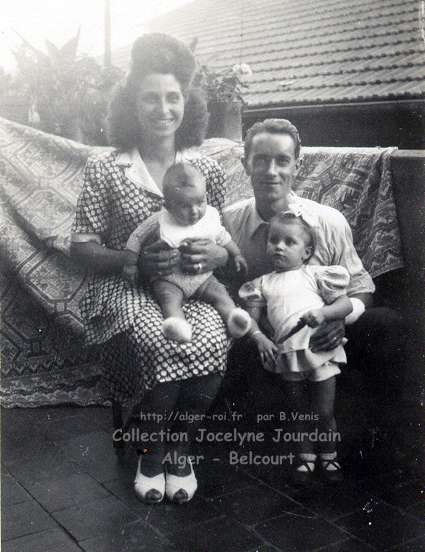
[
  {"x": 245, "y": 165},
  {"x": 299, "y": 162}
]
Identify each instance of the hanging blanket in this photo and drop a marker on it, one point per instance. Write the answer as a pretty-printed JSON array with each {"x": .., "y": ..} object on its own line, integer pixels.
[{"x": 44, "y": 360}]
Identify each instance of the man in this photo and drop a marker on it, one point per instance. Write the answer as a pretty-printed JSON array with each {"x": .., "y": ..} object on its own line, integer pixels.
[{"x": 271, "y": 160}]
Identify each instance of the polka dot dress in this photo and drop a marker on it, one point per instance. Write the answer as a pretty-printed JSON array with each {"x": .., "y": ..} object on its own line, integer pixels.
[{"x": 128, "y": 320}]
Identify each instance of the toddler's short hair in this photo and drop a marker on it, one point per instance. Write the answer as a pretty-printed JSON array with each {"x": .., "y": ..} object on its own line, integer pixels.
[{"x": 286, "y": 217}]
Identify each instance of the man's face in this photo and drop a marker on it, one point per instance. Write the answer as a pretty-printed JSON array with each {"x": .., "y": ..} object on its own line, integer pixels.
[{"x": 272, "y": 166}]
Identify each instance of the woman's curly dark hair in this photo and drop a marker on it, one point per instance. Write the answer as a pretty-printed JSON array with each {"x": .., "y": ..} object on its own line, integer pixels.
[{"x": 157, "y": 53}]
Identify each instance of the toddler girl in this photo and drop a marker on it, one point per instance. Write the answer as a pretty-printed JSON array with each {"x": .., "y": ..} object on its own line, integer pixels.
[
  {"x": 298, "y": 298},
  {"x": 187, "y": 216}
]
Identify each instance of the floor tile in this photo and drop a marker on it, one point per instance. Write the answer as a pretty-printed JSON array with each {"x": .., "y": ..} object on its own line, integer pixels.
[
  {"x": 217, "y": 478},
  {"x": 215, "y": 536},
  {"x": 381, "y": 525},
  {"x": 58, "y": 493},
  {"x": 24, "y": 445},
  {"x": 264, "y": 548},
  {"x": 41, "y": 414},
  {"x": 349, "y": 545},
  {"x": 418, "y": 510},
  {"x": 97, "y": 517},
  {"x": 50, "y": 541},
  {"x": 332, "y": 501},
  {"x": 67, "y": 428},
  {"x": 416, "y": 545},
  {"x": 12, "y": 492},
  {"x": 94, "y": 453},
  {"x": 255, "y": 504},
  {"x": 101, "y": 416},
  {"x": 134, "y": 537},
  {"x": 403, "y": 494},
  {"x": 43, "y": 465},
  {"x": 296, "y": 532},
  {"x": 23, "y": 519}
]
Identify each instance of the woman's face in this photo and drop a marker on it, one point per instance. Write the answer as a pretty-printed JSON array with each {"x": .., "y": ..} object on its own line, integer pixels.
[{"x": 160, "y": 105}]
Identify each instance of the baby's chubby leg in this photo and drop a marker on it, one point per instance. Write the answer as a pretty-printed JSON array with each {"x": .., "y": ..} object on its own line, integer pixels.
[
  {"x": 170, "y": 298},
  {"x": 213, "y": 292}
]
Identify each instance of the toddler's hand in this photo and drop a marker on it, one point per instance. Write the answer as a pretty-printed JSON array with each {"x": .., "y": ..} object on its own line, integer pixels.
[
  {"x": 241, "y": 265},
  {"x": 314, "y": 318},
  {"x": 266, "y": 348}
]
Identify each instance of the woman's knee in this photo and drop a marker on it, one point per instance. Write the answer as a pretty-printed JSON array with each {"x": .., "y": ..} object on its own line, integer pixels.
[{"x": 200, "y": 391}]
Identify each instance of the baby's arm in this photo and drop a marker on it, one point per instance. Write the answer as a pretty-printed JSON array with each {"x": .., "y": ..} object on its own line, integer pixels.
[
  {"x": 239, "y": 260},
  {"x": 337, "y": 310}
]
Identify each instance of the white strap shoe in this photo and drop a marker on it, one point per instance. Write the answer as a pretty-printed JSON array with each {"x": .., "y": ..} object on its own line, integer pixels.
[
  {"x": 181, "y": 489},
  {"x": 149, "y": 489}
]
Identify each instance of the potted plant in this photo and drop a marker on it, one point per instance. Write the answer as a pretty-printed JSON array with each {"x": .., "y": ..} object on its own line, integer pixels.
[{"x": 223, "y": 90}]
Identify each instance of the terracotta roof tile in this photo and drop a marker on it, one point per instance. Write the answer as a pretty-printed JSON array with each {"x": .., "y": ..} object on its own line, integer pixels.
[{"x": 308, "y": 51}]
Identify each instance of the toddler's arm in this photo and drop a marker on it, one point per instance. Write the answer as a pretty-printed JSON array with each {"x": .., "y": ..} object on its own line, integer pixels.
[
  {"x": 337, "y": 310},
  {"x": 266, "y": 347},
  {"x": 240, "y": 262}
]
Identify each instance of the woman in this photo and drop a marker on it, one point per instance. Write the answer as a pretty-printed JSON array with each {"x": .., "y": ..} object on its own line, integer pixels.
[{"x": 154, "y": 116}]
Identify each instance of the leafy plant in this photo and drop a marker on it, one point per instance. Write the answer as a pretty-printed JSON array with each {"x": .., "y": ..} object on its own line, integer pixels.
[
  {"x": 223, "y": 85},
  {"x": 67, "y": 94}
]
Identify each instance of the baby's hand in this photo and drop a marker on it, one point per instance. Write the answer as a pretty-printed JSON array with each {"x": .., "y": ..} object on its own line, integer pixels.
[
  {"x": 241, "y": 265},
  {"x": 314, "y": 318},
  {"x": 266, "y": 347}
]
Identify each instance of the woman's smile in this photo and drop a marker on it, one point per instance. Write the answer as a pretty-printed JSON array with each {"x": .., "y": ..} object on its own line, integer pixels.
[{"x": 160, "y": 105}]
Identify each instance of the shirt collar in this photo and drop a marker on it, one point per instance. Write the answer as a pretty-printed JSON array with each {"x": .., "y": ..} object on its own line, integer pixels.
[
  {"x": 254, "y": 220},
  {"x": 136, "y": 170}
]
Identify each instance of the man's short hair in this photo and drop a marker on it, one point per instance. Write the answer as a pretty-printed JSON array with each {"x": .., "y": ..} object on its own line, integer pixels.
[{"x": 273, "y": 126}]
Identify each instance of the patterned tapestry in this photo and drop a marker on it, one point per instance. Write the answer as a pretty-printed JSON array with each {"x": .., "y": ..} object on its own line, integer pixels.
[{"x": 44, "y": 360}]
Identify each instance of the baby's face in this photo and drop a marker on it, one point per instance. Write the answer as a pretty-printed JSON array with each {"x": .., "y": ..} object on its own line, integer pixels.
[
  {"x": 287, "y": 246},
  {"x": 188, "y": 205}
]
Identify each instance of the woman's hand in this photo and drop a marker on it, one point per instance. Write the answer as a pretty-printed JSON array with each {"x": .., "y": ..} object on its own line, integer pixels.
[
  {"x": 158, "y": 260},
  {"x": 201, "y": 255},
  {"x": 328, "y": 336}
]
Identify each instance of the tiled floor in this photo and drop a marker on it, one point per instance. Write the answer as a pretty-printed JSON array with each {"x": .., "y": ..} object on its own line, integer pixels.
[{"x": 65, "y": 490}]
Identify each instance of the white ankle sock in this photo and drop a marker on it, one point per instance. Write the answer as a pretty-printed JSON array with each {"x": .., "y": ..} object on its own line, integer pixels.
[
  {"x": 329, "y": 456},
  {"x": 310, "y": 459}
]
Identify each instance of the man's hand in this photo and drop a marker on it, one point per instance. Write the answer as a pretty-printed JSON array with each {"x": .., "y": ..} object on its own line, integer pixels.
[
  {"x": 328, "y": 336},
  {"x": 158, "y": 260},
  {"x": 201, "y": 255}
]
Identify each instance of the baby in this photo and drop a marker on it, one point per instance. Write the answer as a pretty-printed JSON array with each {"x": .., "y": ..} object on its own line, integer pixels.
[
  {"x": 186, "y": 216},
  {"x": 297, "y": 298}
]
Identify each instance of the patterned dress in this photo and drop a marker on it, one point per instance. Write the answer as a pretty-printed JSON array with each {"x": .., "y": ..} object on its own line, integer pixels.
[{"x": 125, "y": 319}]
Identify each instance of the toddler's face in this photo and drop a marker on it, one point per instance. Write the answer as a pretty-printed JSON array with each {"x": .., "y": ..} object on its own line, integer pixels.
[
  {"x": 288, "y": 246},
  {"x": 188, "y": 205}
]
